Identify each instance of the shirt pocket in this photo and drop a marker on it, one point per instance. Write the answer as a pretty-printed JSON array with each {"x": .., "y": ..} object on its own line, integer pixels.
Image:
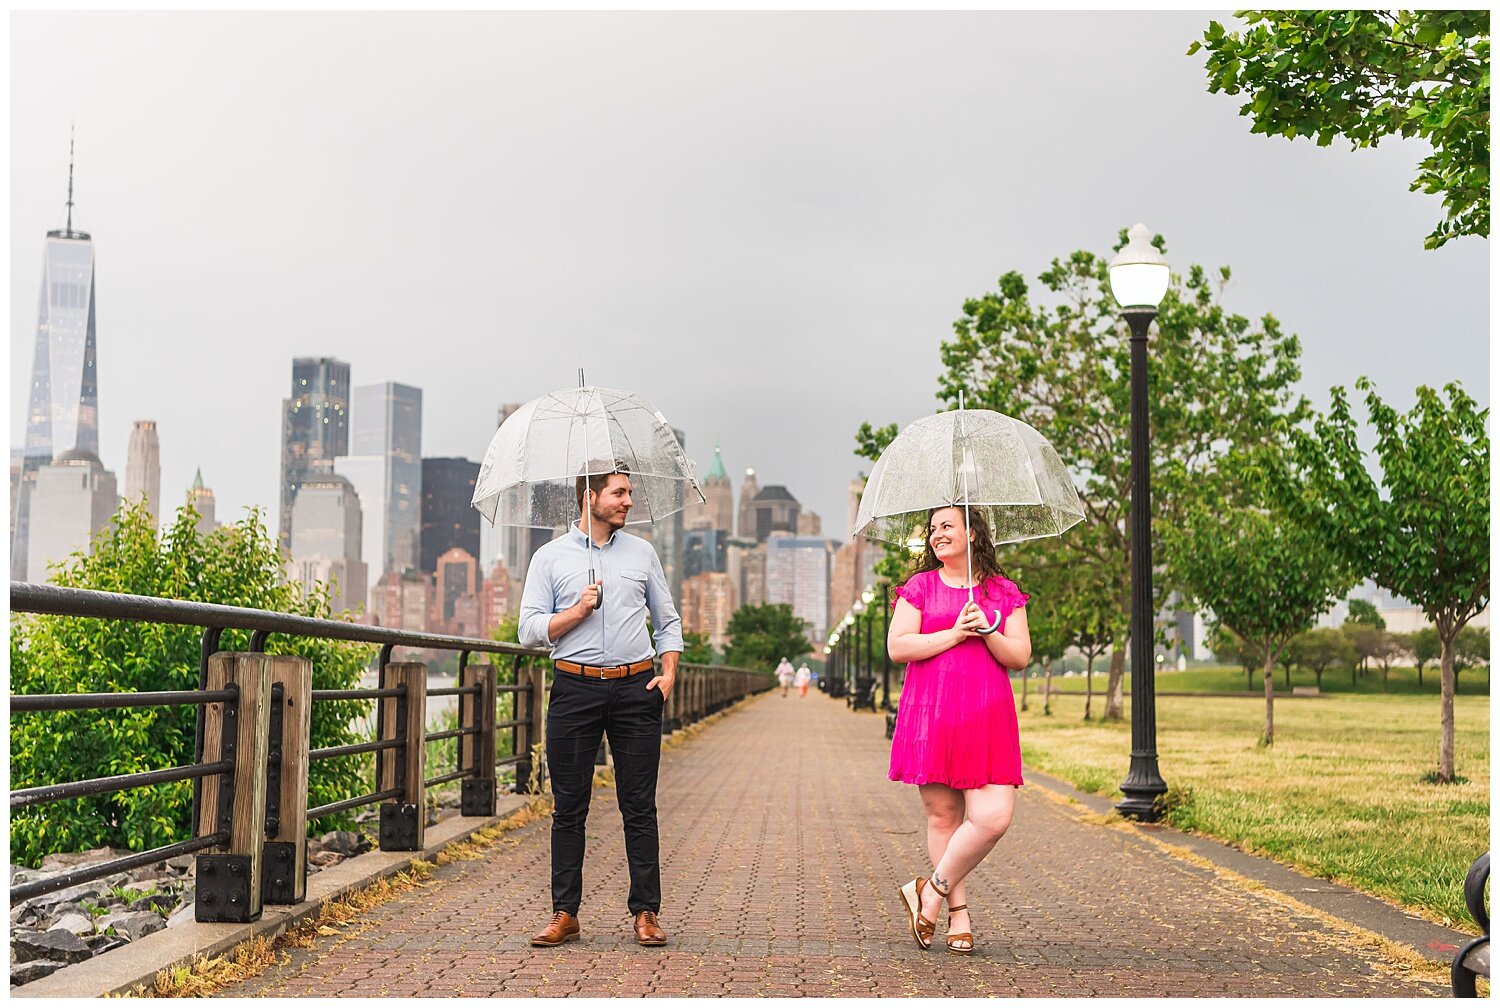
[{"x": 633, "y": 585}]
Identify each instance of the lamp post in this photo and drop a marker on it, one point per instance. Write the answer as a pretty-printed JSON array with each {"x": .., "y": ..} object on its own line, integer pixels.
[
  {"x": 863, "y": 679},
  {"x": 885, "y": 648},
  {"x": 1138, "y": 277}
]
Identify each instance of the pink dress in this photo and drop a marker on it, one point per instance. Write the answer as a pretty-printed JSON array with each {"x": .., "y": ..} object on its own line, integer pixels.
[{"x": 956, "y": 719}]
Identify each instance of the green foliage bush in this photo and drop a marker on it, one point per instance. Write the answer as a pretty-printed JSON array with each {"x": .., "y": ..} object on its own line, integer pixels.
[{"x": 237, "y": 564}]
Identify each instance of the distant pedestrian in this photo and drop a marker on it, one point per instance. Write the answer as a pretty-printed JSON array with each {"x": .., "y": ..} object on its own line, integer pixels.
[
  {"x": 802, "y": 679},
  {"x": 956, "y": 734},
  {"x": 784, "y": 676}
]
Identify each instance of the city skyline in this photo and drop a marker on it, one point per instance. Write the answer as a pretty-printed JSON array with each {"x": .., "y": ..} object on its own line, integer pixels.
[{"x": 843, "y": 203}]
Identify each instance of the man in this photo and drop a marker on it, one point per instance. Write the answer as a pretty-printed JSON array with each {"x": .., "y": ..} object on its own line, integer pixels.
[{"x": 604, "y": 684}]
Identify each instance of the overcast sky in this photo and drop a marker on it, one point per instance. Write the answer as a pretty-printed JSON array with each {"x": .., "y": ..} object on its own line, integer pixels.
[{"x": 764, "y": 223}]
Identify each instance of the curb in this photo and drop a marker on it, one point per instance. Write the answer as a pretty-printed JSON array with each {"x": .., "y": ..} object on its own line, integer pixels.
[
  {"x": 136, "y": 964},
  {"x": 1433, "y": 942}
]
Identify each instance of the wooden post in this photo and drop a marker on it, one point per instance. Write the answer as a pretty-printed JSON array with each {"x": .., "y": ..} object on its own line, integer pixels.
[
  {"x": 403, "y": 818},
  {"x": 286, "y": 827},
  {"x": 477, "y": 752},
  {"x": 237, "y": 731},
  {"x": 530, "y": 706}
]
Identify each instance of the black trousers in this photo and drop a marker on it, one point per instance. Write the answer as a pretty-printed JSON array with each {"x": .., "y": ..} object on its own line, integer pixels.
[{"x": 580, "y": 712}]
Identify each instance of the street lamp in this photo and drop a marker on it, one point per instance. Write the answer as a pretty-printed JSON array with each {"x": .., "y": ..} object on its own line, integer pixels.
[
  {"x": 864, "y": 682},
  {"x": 1138, "y": 277},
  {"x": 885, "y": 648}
]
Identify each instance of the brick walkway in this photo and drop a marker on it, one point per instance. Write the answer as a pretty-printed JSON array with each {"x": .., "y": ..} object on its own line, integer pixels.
[{"x": 782, "y": 847}]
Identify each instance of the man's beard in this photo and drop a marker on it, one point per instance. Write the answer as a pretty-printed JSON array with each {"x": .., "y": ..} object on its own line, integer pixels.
[{"x": 616, "y": 523}]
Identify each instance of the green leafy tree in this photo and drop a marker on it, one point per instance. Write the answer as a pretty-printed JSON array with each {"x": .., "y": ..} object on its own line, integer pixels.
[
  {"x": 1365, "y": 75},
  {"x": 1321, "y": 648},
  {"x": 1422, "y": 530},
  {"x": 1425, "y": 647},
  {"x": 1363, "y": 612},
  {"x": 761, "y": 635},
  {"x": 1218, "y": 381},
  {"x": 1470, "y": 648},
  {"x": 1264, "y": 577},
  {"x": 237, "y": 564},
  {"x": 1367, "y": 640},
  {"x": 1227, "y": 646},
  {"x": 697, "y": 650}
]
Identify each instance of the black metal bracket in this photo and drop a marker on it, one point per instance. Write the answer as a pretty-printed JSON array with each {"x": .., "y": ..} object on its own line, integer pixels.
[
  {"x": 399, "y": 823},
  {"x": 223, "y": 889},
  {"x": 229, "y": 738},
  {"x": 273, "y": 760},
  {"x": 478, "y": 796},
  {"x": 278, "y": 878}
]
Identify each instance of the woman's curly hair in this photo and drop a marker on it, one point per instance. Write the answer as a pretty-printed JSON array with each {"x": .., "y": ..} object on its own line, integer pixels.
[{"x": 986, "y": 564}]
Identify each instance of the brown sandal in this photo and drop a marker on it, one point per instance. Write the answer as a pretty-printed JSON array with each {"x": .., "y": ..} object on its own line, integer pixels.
[
  {"x": 922, "y": 929},
  {"x": 961, "y": 935}
]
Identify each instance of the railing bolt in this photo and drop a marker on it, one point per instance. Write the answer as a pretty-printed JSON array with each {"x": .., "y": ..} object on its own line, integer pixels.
[{"x": 209, "y": 899}]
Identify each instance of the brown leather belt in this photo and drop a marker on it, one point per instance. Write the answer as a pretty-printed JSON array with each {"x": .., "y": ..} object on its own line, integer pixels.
[{"x": 604, "y": 671}]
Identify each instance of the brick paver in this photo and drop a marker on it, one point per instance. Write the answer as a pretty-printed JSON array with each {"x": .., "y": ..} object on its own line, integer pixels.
[{"x": 782, "y": 847}]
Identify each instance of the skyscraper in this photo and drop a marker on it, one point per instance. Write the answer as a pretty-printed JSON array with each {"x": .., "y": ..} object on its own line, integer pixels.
[
  {"x": 385, "y": 465},
  {"x": 797, "y": 574},
  {"x": 73, "y": 499},
  {"x": 202, "y": 499},
  {"x": 773, "y": 509},
  {"x": 314, "y": 428},
  {"x": 63, "y": 408},
  {"x": 327, "y": 539},
  {"x": 748, "y": 489},
  {"x": 448, "y": 520},
  {"x": 719, "y": 512},
  {"x": 143, "y": 468}
]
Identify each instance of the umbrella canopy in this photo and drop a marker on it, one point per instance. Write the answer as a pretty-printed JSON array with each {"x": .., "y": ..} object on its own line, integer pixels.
[
  {"x": 534, "y": 459},
  {"x": 988, "y": 461}
]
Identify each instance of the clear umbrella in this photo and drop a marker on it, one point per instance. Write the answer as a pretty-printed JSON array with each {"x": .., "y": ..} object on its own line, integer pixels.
[
  {"x": 979, "y": 460},
  {"x": 530, "y": 470}
]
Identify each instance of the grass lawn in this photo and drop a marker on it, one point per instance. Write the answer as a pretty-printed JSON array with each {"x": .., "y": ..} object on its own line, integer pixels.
[
  {"x": 1339, "y": 795},
  {"x": 1231, "y": 679}
]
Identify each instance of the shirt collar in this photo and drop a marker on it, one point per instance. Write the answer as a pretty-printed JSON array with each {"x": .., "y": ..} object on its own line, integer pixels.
[{"x": 582, "y": 538}]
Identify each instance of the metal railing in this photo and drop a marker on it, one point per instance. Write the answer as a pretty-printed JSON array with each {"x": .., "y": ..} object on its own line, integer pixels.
[{"x": 254, "y": 715}]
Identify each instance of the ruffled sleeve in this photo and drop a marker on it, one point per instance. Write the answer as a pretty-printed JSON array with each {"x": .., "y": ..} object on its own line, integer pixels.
[
  {"x": 912, "y": 591},
  {"x": 1011, "y": 596}
]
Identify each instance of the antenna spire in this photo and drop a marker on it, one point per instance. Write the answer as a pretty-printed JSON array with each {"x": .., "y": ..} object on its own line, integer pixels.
[{"x": 71, "y": 127}]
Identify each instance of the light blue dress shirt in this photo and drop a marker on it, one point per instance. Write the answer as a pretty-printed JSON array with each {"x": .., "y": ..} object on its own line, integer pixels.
[{"x": 615, "y": 633}]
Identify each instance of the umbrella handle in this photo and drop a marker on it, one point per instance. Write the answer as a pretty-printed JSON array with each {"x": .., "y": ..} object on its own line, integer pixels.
[
  {"x": 599, "y": 598},
  {"x": 993, "y": 625}
]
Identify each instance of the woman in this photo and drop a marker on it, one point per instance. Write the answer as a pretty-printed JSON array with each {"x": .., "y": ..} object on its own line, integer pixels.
[
  {"x": 956, "y": 736},
  {"x": 803, "y": 678},
  {"x": 784, "y": 676}
]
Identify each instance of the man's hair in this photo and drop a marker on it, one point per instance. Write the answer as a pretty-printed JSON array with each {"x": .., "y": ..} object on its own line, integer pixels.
[{"x": 596, "y": 483}]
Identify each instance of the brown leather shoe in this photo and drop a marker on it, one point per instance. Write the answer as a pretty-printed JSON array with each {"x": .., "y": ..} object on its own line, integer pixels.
[
  {"x": 563, "y": 928},
  {"x": 647, "y": 930}
]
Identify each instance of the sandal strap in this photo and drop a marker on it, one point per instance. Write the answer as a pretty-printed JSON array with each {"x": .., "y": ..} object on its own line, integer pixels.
[
  {"x": 956, "y": 909},
  {"x": 935, "y": 889}
]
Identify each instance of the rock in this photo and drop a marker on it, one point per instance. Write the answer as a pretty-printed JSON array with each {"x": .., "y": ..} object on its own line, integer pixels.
[
  {"x": 184, "y": 914},
  {"x": 53, "y": 863},
  {"x": 49, "y": 902},
  {"x": 79, "y": 924},
  {"x": 313, "y": 869},
  {"x": 26, "y": 972},
  {"x": 324, "y": 858},
  {"x": 134, "y": 924},
  {"x": 102, "y": 943},
  {"x": 148, "y": 896},
  {"x": 57, "y": 945},
  {"x": 344, "y": 842},
  {"x": 182, "y": 863},
  {"x": 150, "y": 873}
]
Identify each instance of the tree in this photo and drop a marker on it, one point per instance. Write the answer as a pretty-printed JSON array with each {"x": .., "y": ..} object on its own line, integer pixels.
[
  {"x": 1264, "y": 577},
  {"x": 1470, "y": 648},
  {"x": 697, "y": 650},
  {"x": 237, "y": 564},
  {"x": 1362, "y": 611},
  {"x": 1426, "y": 646},
  {"x": 1387, "y": 649},
  {"x": 1219, "y": 382},
  {"x": 1423, "y": 529},
  {"x": 1226, "y": 645},
  {"x": 1367, "y": 75},
  {"x": 760, "y": 636},
  {"x": 1320, "y": 648},
  {"x": 1367, "y": 640}
]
